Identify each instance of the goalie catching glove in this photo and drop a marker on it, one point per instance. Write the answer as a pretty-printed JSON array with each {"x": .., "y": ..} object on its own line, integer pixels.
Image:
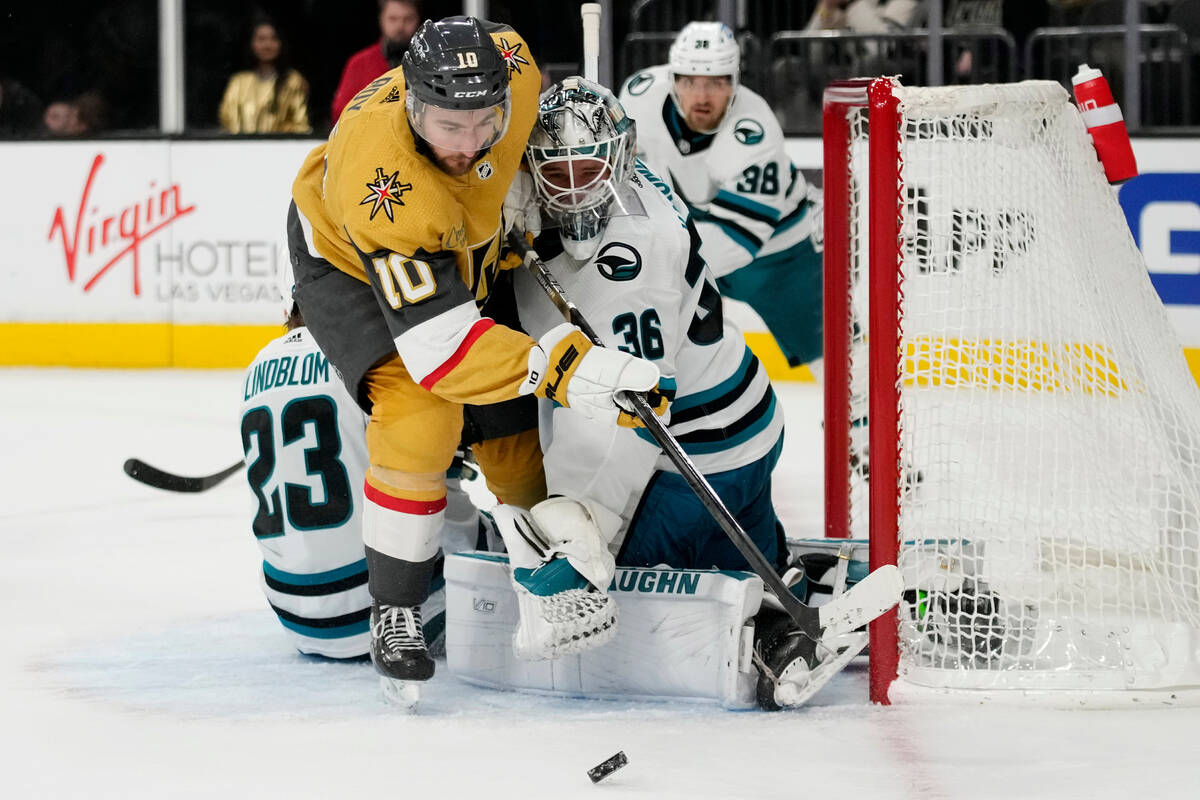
[
  {"x": 567, "y": 368},
  {"x": 561, "y": 570}
]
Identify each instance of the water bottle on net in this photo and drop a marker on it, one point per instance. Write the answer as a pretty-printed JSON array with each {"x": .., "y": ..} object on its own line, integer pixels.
[{"x": 1104, "y": 122}]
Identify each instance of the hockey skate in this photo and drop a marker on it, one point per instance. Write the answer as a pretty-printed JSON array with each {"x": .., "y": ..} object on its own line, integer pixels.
[
  {"x": 792, "y": 666},
  {"x": 399, "y": 654}
]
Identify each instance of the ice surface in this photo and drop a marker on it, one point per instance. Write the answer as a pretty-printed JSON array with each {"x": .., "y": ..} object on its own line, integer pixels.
[{"x": 140, "y": 659}]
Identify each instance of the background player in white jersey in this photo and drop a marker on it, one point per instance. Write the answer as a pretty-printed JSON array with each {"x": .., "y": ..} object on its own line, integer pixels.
[
  {"x": 723, "y": 151},
  {"x": 624, "y": 250}
]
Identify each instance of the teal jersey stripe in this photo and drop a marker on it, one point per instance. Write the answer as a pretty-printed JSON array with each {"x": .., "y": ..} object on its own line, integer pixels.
[
  {"x": 669, "y": 387},
  {"x": 340, "y": 632},
  {"x": 740, "y": 235},
  {"x": 760, "y": 425},
  {"x": 706, "y": 448},
  {"x": 752, "y": 207},
  {"x": 708, "y": 395},
  {"x": 792, "y": 220},
  {"x": 296, "y": 579},
  {"x": 734, "y": 232}
]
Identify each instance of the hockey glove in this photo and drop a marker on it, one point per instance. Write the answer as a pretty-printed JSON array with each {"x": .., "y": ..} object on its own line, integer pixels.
[
  {"x": 562, "y": 609},
  {"x": 567, "y": 368}
]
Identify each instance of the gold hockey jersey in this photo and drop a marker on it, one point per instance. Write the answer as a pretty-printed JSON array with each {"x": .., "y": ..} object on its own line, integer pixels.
[{"x": 428, "y": 242}]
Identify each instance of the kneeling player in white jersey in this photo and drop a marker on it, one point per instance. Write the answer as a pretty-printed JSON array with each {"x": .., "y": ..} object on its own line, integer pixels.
[
  {"x": 624, "y": 251},
  {"x": 303, "y": 437},
  {"x": 722, "y": 149}
]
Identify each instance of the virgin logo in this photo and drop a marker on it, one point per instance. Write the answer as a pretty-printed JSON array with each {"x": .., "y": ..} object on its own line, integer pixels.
[{"x": 94, "y": 233}]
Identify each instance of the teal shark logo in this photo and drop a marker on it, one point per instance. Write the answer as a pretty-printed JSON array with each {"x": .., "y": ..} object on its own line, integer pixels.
[
  {"x": 639, "y": 83},
  {"x": 748, "y": 131},
  {"x": 619, "y": 262}
]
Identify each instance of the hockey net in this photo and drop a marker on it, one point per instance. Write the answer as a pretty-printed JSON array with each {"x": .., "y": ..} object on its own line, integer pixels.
[{"x": 1034, "y": 430}]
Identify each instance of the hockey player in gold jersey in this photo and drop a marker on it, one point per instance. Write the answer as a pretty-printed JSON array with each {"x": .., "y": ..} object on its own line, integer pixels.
[{"x": 395, "y": 234}]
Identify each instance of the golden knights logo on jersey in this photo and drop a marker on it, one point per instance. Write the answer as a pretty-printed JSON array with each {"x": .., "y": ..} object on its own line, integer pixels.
[
  {"x": 511, "y": 53},
  {"x": 385, "y": 190},
  {"x": 484, "y": 264}
]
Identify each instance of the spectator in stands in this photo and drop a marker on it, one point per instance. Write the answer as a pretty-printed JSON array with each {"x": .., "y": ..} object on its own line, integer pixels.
[
  {"x": 269, "y": 98},
  {"x": 855, "y": 58},
  {"x": 61, "y": 118},
  {"x": 1018, "y": 17},
  {"x": 863, "y": 16},
  {"x": 92, "y": 110},
  {"x": 79, "y": 116},
  {"x": 20, "y": 109},
  {"x": 398, "y": 21}
]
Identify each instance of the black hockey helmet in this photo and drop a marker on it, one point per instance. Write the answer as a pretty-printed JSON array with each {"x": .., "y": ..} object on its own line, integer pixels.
[
  {"x": 457, "y": 94},
  {"x": 453, "y": 63}
]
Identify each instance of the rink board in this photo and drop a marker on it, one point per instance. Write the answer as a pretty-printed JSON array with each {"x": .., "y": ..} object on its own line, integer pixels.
[{"x": 168, "y": 253}]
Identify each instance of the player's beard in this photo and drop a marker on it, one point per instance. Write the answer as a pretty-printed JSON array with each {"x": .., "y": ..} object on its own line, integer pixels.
[
  {"x": 457, "y": 164},
  {"x": 702, "y": 119}
]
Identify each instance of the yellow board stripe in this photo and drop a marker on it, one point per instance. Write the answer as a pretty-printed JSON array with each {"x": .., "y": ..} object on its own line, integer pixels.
[
  {"x": 131, "y": 344},
  {"x": 763, "y": 345},
  {"x": 1032, "y": 366}
]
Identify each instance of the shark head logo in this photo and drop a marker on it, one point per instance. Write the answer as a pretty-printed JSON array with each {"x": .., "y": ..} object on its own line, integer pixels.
[
  {"x": 639, "y": 83},
  {"x": 619, "y": 262},
  {"x": 748, "y": 131}
]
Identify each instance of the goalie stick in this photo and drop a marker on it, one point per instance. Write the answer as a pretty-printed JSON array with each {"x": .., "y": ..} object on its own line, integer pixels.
[
  {"x": 160, "y": 479},
  {"x": 870, "y": 597}
]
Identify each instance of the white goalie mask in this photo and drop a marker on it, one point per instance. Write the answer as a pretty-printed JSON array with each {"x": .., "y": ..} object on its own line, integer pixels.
[{"x": 581, "y": 151}]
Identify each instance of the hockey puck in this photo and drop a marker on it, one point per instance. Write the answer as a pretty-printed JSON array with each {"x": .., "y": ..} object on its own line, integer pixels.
[{"x": 607, "y": 767}]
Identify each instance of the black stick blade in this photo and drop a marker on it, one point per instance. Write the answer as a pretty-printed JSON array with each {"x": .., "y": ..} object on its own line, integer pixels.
[{"x": 159, "y": 479}]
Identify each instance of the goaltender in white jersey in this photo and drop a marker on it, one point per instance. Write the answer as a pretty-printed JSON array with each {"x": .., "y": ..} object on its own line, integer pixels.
[
  {"x": 722, "y": 149},
  {"x": 623, "y": 249},
  {"x": 640, "y": 281}
]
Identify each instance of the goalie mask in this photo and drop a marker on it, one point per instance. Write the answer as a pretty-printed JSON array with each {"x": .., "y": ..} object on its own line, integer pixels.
[
  {"x": 457, "y": 95},
  {"x": 581, "y": 152}
]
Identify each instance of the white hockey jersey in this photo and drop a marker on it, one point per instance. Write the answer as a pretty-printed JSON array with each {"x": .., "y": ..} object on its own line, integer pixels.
[
  {"x": 647, "y": 291},
  {"x": 303, "y": 438},
  {"x": 747, "y": 198}
]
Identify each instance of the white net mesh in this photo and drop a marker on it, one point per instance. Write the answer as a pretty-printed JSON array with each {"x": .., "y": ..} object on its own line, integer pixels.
[{"x": 1050, "y": 428}]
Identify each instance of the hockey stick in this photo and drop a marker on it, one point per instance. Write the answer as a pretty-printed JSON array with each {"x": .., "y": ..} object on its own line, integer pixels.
[
  {"x": 153, "y": 476},
  {"x": 870, "y": 597},
  {"x": 590, "y": 13}
]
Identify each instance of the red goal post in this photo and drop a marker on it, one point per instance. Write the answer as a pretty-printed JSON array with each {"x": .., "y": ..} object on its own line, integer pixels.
[{"x": 1034, "y": 431}]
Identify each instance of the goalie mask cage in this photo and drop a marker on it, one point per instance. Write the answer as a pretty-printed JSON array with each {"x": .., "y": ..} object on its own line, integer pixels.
[{"x": 1034, "y": 430}]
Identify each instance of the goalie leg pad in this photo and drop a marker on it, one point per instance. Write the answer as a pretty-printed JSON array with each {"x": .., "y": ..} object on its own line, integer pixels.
[{"x": 684, "y": 635}]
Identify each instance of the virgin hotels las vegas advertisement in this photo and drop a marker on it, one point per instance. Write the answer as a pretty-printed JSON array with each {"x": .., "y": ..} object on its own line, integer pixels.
[{"x": 169, "y": 253}]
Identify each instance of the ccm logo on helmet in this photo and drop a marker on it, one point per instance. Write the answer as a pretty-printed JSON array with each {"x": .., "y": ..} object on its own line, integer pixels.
[{"x": 479, "y": 93}]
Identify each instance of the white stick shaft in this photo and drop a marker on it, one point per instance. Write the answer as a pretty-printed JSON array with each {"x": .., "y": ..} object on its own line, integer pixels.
[{"x": 591, "y": 40}]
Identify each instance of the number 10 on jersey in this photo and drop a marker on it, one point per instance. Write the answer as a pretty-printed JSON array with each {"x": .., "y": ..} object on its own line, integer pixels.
[{"x": 400, "y": 276}]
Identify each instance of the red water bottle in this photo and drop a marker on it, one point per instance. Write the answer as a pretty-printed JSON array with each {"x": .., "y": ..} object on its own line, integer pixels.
[{"x": 1104, "y": 122}]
